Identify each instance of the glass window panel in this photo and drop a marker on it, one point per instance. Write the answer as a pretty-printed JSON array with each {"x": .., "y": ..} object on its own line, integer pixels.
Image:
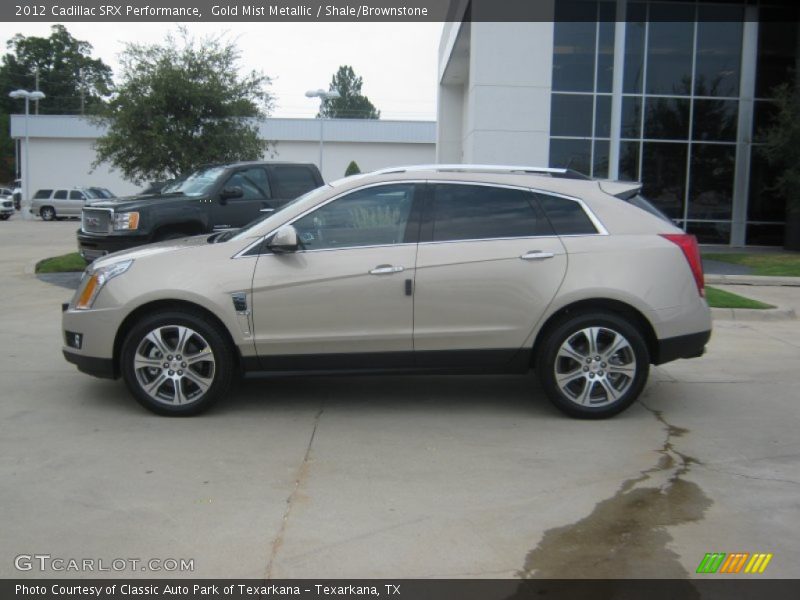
[
  {"x": 633, "y": 71},
  {"x": 571, "y": 115},
  {"x": 719, "y": 50},
  {"x": 605, "y": 46},
  {"x": 670, "y": 49},
  {"x": 764, "y": 235},
  {"x": 777, "y": 48},
  {"x": 600, "y": 168},
  {"x": 711, "y": 233},
  {"x": 631, "y": 117},
  {"x": 566, "y": 216},
  {"x": 629, "y": 161},
  {"x": 574, "y": 46},
  {"x": 711, "y": 181},
  {"x": 369, "y": 217},
  {"x": 764, "y": 204},
  {"x": 602, "y": 118},
  {"x": 571, "y": 154},
  {"x": 664, "y": 176},
  {"x": 764, "y": 113},
  {"x": 715, "y": 120},
  {"x": 466, "y": 212},
  {"x": 666, "y": 119}
]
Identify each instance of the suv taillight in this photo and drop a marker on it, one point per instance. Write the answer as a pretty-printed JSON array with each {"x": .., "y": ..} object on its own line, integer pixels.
[{"x": 688, "y": 244}]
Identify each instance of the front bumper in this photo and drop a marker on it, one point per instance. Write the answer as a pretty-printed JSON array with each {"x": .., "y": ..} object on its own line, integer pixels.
[
  {"x": 92, "y": 247},
  {"x": 692, "y": 345},
  {"x": 91, "y": 365}
]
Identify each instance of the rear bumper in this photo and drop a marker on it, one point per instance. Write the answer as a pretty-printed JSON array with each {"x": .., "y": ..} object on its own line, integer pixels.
[
  {"x": 92, "y": 247},
  {"x": 91, "y": 365},
  {"x": 682, "y": 346}
]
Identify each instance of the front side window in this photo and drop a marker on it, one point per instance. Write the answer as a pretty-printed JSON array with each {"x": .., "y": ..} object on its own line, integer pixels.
[
  {"x": 374, "y": 216},
  {"x": 474, "y": 212},
  {"x": 253, "y": 182},
  {"x": 76, "y": 196}
]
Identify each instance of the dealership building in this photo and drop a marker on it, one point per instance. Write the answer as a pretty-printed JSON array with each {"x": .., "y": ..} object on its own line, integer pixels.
[{"x": 672, "y": 95}]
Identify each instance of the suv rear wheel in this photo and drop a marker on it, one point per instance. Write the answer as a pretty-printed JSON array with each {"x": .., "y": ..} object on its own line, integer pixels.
[
  {"x": 48, "y": 213},
  {"x": 176, "y": 363},
  {"x": 593, "y": 365}
]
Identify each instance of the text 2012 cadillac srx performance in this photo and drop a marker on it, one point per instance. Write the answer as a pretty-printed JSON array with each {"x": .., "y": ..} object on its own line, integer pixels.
[{"x": 459, "y": 268}]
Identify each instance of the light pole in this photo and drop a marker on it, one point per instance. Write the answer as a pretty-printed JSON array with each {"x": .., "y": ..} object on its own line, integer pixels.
[
  {"x": 322, "y": 95},
  {"x": 25, "y": 202}
]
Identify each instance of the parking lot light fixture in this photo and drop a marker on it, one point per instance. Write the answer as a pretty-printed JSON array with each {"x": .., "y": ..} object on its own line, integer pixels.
[
  {"x": 25, "y": 202},
  {"x": 322, "y": 95}
]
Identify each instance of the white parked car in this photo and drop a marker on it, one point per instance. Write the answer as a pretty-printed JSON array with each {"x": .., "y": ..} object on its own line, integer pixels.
[
  {"x": 6, "y": 203},
  {"x": 465, "y": 269}
]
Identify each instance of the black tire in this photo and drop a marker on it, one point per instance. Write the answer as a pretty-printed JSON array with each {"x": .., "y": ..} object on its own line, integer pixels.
[
  {"x": 48, "y": 213},
  {"x": 4, "y": 217},
  {"x": 589, "y": 389},
  {"x": 177, "y": 382}
]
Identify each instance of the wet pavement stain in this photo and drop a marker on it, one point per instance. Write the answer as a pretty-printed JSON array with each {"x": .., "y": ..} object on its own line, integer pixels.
[{"x": 626, "y": 535}]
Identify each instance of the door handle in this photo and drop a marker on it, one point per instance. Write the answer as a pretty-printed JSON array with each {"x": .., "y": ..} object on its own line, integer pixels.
[
  {"x": 386, "y": 270},
  {"x": 536, "y": 255}
]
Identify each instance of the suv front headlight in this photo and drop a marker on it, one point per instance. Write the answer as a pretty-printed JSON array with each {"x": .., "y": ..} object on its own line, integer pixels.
[
  {"x": 126, "y": 221},
  {"x": 95, "y": 279}
]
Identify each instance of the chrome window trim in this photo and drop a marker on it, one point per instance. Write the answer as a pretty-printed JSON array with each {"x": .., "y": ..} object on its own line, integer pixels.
[{"x": 601, "y": 230}]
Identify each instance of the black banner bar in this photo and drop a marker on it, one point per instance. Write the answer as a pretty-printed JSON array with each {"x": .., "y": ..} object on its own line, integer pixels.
[
  {"x": 712, "y": 588},
  {"x": 382, "y": 10}
]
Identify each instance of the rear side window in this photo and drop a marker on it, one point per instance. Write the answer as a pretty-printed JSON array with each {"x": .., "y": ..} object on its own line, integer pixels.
[
  {"x": 476, "y": 212},
  {"x": 60, "y": 195},
  {"x": 42, "y": 194},
  {"x": 566, "y": 216},
  {"x": 292, "y": 181}
]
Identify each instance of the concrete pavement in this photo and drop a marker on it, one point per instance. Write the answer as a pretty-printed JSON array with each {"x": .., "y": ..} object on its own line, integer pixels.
[{"x": 393, "y": 476}]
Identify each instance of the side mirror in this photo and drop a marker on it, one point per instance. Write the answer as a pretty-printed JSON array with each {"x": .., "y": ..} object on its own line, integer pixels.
[
  {"x": 284, "y": 240},
  {"x": 229, "y": 193}
]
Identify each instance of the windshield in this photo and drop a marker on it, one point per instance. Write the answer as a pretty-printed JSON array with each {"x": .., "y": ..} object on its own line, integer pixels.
[
  {"x": 246, "y": 231},
  {"x": 197, "y": 184}
]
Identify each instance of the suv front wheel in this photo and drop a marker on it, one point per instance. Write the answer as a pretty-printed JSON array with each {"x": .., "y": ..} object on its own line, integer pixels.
[
  {"x": 176, "y": 363},
  {"x": 593, "y": 365}
]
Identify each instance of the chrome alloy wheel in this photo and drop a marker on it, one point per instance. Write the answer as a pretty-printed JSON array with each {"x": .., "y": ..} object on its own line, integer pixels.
[
  {"x": 595, "y": 366},
  {"x": 174, "y": 365}
]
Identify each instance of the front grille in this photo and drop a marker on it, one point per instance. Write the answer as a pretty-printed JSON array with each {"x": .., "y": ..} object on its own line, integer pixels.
[
  {"x": 96, "y": 220},
  {"x": 8, "y": 204}
]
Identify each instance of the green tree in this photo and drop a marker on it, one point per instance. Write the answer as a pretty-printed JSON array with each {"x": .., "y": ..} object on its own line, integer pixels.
[
  {"x": 73, "y": 81},
  {"x": 350, "y": 104},
  {"x": 352, "y": 169},
  {"x": 182, "y": 104},
  {"x": 781, "y": 150}
]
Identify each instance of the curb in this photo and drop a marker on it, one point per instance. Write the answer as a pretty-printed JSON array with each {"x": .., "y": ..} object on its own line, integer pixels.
[
  {"x": 753, "y": 280},
  {"x": 752, "y": 314}
]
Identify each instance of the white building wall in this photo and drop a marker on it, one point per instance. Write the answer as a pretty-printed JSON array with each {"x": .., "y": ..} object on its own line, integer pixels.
[
  {"x": 505, "y": 100},
  {"x": 62, "y": 148}
]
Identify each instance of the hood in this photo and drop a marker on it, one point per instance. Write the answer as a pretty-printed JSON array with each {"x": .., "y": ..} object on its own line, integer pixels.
[
  {"x": 141, "y": 201},
  {"x": 165, "y": 247}
]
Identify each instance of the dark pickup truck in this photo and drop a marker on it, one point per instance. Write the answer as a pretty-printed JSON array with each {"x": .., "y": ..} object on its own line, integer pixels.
[{"x": 212, "y": 198}]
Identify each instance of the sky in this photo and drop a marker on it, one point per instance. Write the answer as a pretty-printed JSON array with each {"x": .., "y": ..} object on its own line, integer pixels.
[{"x": 396, "y": 60}]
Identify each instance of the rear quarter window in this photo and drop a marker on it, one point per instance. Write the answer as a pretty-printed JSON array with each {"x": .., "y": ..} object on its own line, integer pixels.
[
  {"x": 42, "y": 194},
  {"x": 292, "y": 181},
  {"x": 566, "y": 216}
]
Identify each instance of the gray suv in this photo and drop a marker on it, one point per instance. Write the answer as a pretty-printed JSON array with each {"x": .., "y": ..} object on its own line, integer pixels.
[{"x": 464, "y": 269}]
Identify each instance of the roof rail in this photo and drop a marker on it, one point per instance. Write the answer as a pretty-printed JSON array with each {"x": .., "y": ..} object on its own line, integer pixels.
[{"x": 553, "y": 172}]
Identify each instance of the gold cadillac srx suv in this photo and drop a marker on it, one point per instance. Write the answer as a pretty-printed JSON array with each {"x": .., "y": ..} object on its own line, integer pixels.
[{"x": 441, "y": 268}]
